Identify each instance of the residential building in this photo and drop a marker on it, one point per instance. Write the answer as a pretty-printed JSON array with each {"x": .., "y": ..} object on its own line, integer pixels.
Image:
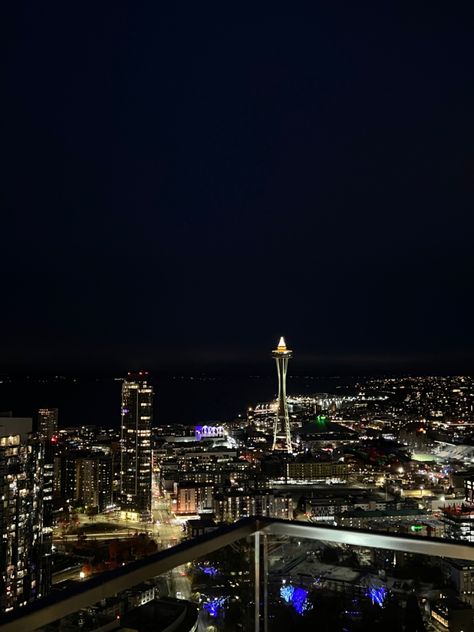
[
  {"x": 25, "y": 545},
  {"x": 307, "y": 470},
  {"x": 232, "y": 505},
  {"x": 135, "y": 443},
  {"x": 193, "y": 498}
]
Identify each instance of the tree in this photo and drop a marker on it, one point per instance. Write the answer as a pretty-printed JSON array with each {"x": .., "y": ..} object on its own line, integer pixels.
[{"x": 91, "y": 512}]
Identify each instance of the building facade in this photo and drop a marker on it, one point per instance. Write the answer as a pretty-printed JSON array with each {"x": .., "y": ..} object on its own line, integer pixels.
[
  {"x": 459, "y": 522},
  {"x": 233, "y": 505},
  {"x": 48, "y": 422},
  {"x": 25, "y": 545},
  {"x": 461, "y": 574},
  {"x": 316, "y": 470},
  {"x": 135, "y": 467},
  {"x": 93, "y": 485},
  {"x": 193, "y": 498}
]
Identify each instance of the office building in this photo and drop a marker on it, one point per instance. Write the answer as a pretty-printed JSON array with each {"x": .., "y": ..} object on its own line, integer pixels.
[
  {"x": 135, "y": 468},
  {"x": 48, "y": 422}
]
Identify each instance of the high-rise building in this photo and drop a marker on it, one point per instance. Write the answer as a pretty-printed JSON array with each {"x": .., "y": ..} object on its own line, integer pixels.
[
  {"x": 281, "y": 428},
  {"x": 48, "y": 422},
  {"x": 94, "y": 487},
  {"x": 135, "y": 468},
  {"x": 47, "y": 429},
  {"x": 68, "y": 467},
  {"x": 25, "y": 538},
  {"x": 86, "y": 479},
  {"x": 47, "y": 510}
]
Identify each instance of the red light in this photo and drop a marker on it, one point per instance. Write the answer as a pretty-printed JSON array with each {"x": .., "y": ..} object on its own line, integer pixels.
[{"x": 54, "y": 439}]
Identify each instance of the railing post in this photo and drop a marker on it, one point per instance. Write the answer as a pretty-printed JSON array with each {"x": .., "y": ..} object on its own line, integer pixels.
[
  {"x": 265, "y": 582},
  {"x": 256, "y": 545}
]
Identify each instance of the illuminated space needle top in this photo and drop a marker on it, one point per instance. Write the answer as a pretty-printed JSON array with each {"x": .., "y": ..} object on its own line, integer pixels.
[{"x": 282, "y": 350}]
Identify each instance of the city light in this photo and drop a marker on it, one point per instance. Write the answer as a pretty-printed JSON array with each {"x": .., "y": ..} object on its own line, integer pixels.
[
  {"x": 214, "y": 606},
  {"x": 363, "y": 463},
  {"x": 377, "y": 594},
  {"x": 209, "y": 570},
  {"x": 296, "y": 597}
]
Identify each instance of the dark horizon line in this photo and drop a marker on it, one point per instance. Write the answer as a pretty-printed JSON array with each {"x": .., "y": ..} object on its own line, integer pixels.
[{"x": 236, "y": 370}]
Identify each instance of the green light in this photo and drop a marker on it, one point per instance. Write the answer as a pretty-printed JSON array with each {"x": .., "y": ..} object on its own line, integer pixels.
[
  {"x": 416, "y": 527},
  {"x": 320, "y": 419}
]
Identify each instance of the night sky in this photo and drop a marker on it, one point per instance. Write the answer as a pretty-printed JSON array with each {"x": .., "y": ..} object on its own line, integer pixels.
[{"x": 179, "y": 189}]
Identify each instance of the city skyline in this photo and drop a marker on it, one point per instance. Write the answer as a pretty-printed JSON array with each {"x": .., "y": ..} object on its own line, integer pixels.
[{"x": 383, "y": 454}]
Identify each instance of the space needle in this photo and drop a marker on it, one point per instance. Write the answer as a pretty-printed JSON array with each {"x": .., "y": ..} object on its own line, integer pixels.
[{"x": 281, "y": 428}]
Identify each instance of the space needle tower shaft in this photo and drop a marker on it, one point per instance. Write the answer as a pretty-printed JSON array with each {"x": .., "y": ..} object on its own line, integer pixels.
[{"x": 281, "y": 428}]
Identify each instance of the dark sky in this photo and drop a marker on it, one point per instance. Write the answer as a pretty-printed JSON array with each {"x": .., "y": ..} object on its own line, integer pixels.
[{"x": 181, "y": 188}]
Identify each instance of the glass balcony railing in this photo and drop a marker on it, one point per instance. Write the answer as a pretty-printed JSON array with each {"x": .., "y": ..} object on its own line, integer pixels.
[{"x": 262, "y": 574}]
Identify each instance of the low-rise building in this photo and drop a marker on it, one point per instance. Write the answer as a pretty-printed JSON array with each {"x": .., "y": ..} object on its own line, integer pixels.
[
  {"x": 193, "y": 498},
  {"x": 194, "y": 528},
  {"x": 461, "y": 574},
  {"x": 402, "y": 520},
  {"x": 233, "y": 505},
  {"x": 307, "y": 470},
  {"x": 452, "y": 615},
  {"x": 459, "y": 522}
]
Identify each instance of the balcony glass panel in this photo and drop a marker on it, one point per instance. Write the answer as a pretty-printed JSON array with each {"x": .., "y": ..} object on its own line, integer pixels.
[{"x": 271, "y": 575}]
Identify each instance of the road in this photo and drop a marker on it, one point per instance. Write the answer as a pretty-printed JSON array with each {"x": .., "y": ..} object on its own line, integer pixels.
[
  {"x": 168, "y": 532},
  {"x": 101, "y": 535},
  {"x": 180, "y": 584}
]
